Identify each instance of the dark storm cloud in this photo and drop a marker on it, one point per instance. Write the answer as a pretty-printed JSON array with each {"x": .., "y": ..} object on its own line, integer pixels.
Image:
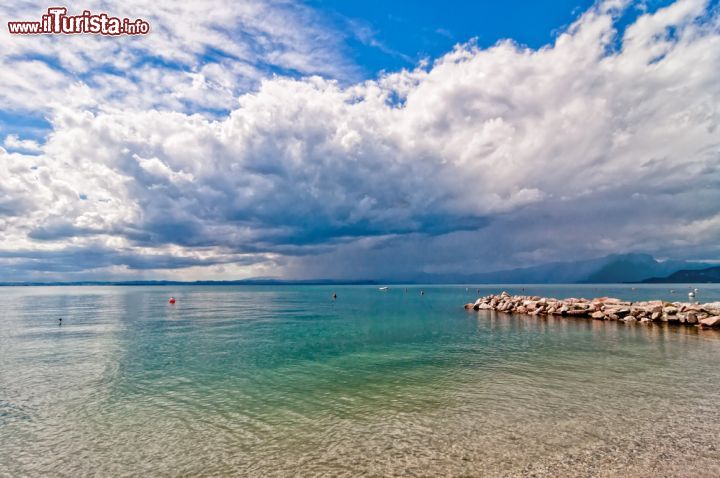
[{"x": 83, "y": 258}]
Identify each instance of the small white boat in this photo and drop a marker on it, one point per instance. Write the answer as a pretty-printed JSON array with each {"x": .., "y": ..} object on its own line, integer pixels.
[{"x": 383, "y": 289}]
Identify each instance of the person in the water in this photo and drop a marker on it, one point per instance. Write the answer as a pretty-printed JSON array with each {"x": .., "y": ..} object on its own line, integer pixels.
[{"x": 334, "y": 296}]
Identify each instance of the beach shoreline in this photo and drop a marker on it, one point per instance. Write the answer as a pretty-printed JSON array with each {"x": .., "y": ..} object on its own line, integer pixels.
[{"x": 693, "y": 314}]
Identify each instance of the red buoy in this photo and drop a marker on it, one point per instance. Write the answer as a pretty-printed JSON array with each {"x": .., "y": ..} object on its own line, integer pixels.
[{"x": 172, "y": 300}]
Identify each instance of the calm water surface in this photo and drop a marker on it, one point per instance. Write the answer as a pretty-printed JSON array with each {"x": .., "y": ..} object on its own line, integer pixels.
[{"x": 282, "y": 381}]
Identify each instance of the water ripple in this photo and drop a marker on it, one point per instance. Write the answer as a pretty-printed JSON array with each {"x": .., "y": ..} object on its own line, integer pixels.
[{"x": 284, "y": 382}]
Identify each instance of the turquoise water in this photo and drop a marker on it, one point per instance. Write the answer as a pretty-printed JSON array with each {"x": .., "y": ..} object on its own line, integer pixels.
[{"x": 283, "y": 381}]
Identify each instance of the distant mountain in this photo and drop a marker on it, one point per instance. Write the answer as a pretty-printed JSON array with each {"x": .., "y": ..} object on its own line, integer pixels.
[
  {"x": 635, "y": 268},
  {"x": 615, "y": 268},
  {"x": 687, "y": 276}
]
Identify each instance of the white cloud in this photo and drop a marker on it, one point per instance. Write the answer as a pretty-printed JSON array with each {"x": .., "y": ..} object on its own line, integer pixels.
[
  {"x": 199, "y": 54},
  {"x": 12, "y": 141},
  {"x": 479, "y": 160}
]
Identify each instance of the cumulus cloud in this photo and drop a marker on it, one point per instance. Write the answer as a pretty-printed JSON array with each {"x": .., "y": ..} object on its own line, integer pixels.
[
  {"x": 200, "y": 55},
  {"x": 604, "y": 141},
  {"x": 13, "y": 141}
]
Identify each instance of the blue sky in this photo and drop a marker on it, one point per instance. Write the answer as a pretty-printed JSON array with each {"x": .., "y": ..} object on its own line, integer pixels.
[
  {"x": 397, "y": 34},
  {"x": 333, "y": 139},
  {"x": 390, "y": 35}
]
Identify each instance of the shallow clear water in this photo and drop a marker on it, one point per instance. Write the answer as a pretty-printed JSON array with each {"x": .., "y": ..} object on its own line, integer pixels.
[{"x": 282, "y": 381}]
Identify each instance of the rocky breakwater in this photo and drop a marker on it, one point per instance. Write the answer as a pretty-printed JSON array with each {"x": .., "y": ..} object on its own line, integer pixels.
[{"x": 604, "y": 308}]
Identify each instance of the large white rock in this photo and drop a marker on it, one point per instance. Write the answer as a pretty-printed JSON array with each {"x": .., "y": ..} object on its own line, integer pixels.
[{"x": 713, "y": 321}]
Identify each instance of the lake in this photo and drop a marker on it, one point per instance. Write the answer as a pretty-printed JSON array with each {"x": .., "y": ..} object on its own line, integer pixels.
[{"x": 284, "y": 381}]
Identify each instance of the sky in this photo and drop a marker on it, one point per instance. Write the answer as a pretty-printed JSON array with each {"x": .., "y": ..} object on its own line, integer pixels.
[{"x": 358, "y": 140}]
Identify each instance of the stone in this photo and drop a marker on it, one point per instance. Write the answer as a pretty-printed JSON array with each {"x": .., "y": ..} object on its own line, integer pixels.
[
  {"x": 714, "y": 306},
  {"x": 604, "y": 308},
  {"x": 577, "y": 312},
  {"x": 712, "y": 321}
]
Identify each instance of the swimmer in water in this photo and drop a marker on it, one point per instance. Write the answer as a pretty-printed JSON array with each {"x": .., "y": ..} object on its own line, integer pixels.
[{"x": 334, "y": 296}]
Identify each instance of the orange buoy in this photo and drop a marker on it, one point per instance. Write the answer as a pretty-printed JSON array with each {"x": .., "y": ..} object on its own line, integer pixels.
[{"x": 172, "y": 300}]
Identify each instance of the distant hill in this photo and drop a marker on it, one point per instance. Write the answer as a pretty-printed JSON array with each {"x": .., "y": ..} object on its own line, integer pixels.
[
  {"x": 688, "y": 276},
  {"x": 615, "y": 268},
  {"x": 634, "y": 268}
]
